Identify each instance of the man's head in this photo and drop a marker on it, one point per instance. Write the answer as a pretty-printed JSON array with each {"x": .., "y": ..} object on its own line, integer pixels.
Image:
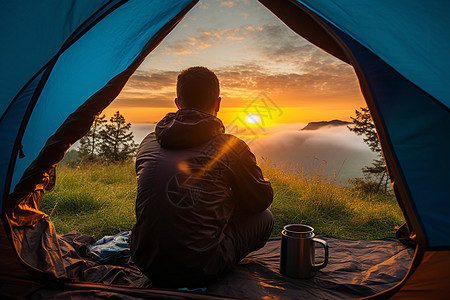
[{"x": 198, "y": 88}]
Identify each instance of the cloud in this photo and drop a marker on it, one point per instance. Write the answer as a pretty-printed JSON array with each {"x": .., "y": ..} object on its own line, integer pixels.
[
  {"x": 251, "y": 28},
  {"x": 289, "y": 61},
  {"x": 145, "y": 100},
  {"x": 286, "y": 67},
  {"x": 279, "y": 44},
  {"x": 227, "y": 3},
  {"x": 328, "y": 152},
  {"x": 331, "y": 151},
  {"x": 278, "y": 39},
  {"x": 246, "y": 2},
  {"x": 204, "y": 5},
  {"x": 319, "y": 81},
  {"x": 203, "y": 46},
  {"x": 140, "y": 131},
  {"x": 207, "y": 38},
  {"x": 190, "y": 44},
  {"x": 245, "y": 15},
  {"x": 152, "y": 79},
  {"x": 149, "y": 89},
  {"x": 180, "y": 47},
  {"x": 235, "y": 37}
]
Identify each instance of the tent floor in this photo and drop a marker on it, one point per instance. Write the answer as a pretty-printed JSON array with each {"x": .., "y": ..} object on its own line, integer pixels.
[{"x": 355, "y": 269}]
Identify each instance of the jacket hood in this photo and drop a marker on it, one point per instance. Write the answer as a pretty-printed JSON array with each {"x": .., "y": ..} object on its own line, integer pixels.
[{"x": 187, "y": 128}]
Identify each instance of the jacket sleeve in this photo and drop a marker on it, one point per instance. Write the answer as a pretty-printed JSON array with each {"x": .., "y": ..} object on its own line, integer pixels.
[{"x": 251, "y": 192}]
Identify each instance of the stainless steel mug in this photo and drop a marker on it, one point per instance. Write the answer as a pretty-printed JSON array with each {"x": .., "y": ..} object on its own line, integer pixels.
[{"x": 297, "y": 251}]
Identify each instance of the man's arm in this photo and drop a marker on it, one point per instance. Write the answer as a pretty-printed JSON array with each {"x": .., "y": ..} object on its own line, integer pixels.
[{"x": 251, "y": 191}]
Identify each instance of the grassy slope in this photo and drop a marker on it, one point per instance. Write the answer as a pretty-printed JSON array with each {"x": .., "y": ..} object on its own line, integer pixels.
[
  {"x": 329, "y": 208},
  {"x": 93, "y": 199},
  {"x": 98, "y": 200}
]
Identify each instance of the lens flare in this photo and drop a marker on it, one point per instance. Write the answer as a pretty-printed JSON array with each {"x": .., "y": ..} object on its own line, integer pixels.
[{"x": 253, "y": 118}]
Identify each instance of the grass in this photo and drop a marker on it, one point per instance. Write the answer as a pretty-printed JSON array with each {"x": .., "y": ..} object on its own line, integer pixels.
[
  {"x": 330, "y": 208},
  {"x": 99, "y": 200},
  {"x": 93, "y": 199}
]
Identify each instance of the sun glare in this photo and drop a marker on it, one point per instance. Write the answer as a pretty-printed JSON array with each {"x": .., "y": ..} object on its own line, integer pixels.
[{"x": 253, "y": 118}]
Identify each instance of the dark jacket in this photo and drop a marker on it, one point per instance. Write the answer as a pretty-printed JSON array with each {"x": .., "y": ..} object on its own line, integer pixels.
[{"x": 191, "y": 178}]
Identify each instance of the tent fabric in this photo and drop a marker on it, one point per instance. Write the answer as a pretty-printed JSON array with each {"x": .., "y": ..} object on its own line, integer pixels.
[
  {"x": 79, "y": 49},
  {"x": 430, "y": 278},
  {"x": 95, "y": 291},
  {"x": 124, "y": 32},
  {"x": 16, "y": 281},
  {"x": 64, "y": 62},
  {"x": 410, "y": 36},
  {"x": 42, "y": 27},
  {"x": 81, "y": 292}
]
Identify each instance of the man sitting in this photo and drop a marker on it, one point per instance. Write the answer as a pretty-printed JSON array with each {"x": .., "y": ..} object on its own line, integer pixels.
[{"x": 201, "y": 199}]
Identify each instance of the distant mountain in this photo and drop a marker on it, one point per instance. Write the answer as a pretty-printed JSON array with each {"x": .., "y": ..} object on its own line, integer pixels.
[{"x": 317, "y": 125}]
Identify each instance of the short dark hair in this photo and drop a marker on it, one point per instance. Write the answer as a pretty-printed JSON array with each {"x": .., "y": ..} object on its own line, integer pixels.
[{"x": 198, "y": 88}]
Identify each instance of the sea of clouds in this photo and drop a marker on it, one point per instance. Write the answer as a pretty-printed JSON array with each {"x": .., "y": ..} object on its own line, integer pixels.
[{"x": 335, "y": 152}]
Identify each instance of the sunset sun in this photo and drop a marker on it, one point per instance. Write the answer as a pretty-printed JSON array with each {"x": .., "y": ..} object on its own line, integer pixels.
[{"x": 253, "y": 118}]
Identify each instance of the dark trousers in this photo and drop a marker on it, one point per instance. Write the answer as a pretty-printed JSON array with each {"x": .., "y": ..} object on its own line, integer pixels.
[
  {"x": 249, "y": 232},
  {"x": 245, "y": 233}
]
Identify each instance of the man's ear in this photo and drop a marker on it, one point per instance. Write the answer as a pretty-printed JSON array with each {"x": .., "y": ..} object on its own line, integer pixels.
[
  {"x": 177, "y": 103},
  {"x": 217, "y": 106}
]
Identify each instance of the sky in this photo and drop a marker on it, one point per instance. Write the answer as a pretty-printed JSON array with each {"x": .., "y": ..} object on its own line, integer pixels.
[{"x": 263, "y": 67}]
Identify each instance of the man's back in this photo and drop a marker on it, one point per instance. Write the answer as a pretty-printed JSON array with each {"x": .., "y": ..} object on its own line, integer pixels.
[{"x": 192, "y": 179}]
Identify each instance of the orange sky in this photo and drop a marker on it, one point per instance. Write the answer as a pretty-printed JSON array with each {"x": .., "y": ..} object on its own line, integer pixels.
[{"x": 255, "y": 56}]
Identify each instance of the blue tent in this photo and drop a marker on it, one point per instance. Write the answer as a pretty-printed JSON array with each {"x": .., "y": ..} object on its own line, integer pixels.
[{"x": 63, "y": 62}]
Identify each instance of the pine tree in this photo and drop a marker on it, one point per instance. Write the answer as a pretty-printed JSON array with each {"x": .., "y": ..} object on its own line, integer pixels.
[
  {"x": 117, "y": 144},
  {"x": 376, "y": 176},
  {"x": 90, "y": 143}
]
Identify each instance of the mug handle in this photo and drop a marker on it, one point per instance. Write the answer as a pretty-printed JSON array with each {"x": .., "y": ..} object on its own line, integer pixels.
[{"x": 325, "y": 262}]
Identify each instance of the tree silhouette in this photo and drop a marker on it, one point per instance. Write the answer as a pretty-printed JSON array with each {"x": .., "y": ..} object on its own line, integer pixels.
[
  {"x": 90, "y": 143},
  {"x": 376, "y": 176},
  {"x": 117, "y": 144}
]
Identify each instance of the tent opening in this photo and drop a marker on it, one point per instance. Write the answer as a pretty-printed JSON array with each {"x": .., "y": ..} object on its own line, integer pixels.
[{"x": 273, "y": 83}]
